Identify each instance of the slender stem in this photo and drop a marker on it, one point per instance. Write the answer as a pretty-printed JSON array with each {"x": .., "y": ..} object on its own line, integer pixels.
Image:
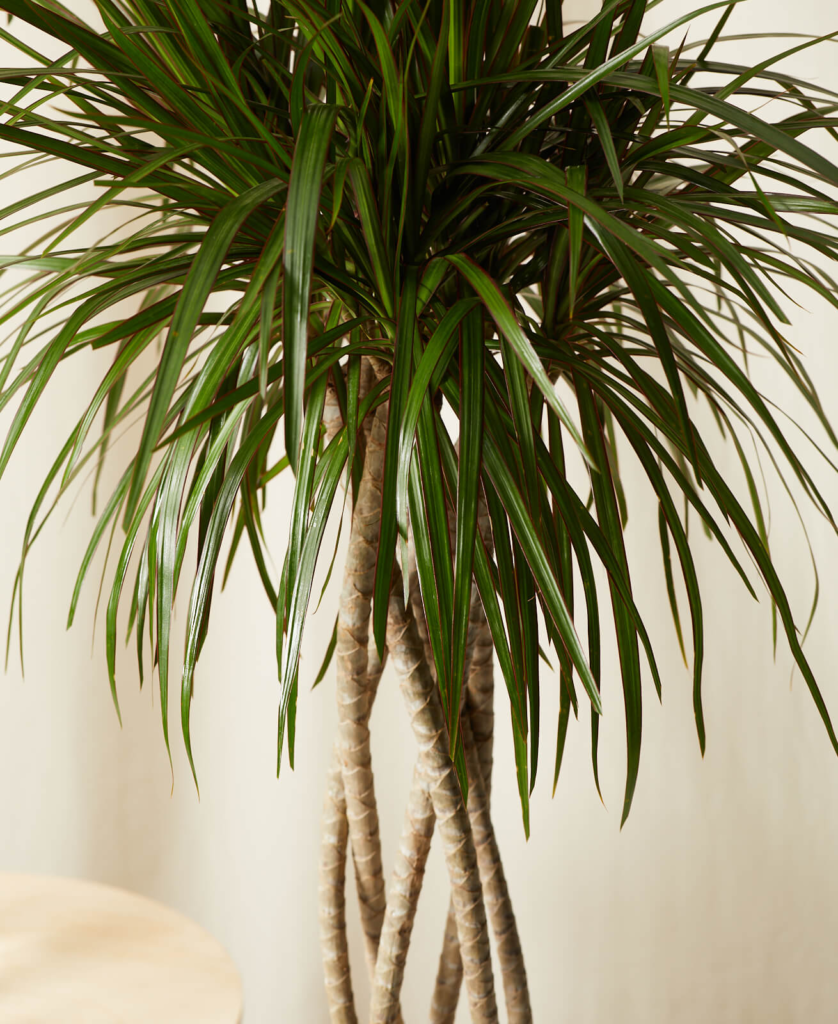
[
  {"x": 498, "y": 904},
  {"x": 402, "y": 899},
  {"x": 332, "y": 899},
  {"x": 422, "y": 699},
  {"x": 354, "y": 694},
  {"x": 366, "y": 675},
  {"x": 332, "y": 893},
  {"x": 449, "y": 975},
  {"x": 480, "y": 713},
  {"x": 479, "y": 707},
  {"x": 480, "y": 693},
  {"x": 495, "y": 889},
  {"x": 332, "y": 418}
]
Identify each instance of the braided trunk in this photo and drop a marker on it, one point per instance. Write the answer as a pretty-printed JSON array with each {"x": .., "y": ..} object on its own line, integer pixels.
[
  {"x": 402, "y": 899},
  {"x": 426, "y": 715},
  {"x": 359, "y": 671},
  {"x": 350, "y": 815},
  {"x": 479, "y": 709},
  {"x": 354, "y": 694},
  {"x": 332, "y": 898}
]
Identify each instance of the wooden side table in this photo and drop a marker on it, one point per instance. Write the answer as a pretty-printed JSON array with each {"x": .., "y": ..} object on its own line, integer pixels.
[{"x": 82, "y": 953}]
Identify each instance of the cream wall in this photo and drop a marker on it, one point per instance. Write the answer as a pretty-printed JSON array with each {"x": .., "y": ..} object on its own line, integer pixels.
[{"x": 717, "y": 902}]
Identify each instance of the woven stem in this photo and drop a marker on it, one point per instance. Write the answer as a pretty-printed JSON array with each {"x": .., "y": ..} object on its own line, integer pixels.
[
  {"x": 402, "y": 899},
  {"x": 479, "y": 707},
  {"x": 332, "y": 899},
  {"x": 426, "y": 715},
  {"x": 354, "y": 694}
]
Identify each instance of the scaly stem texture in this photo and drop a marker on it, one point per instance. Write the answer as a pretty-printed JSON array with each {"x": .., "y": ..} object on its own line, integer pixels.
[
  {"x": 495, "y": 890},
  {"x": 332, "y": 899},
  {"x": 332, "y": 894},
  {"x": 426, "y": 715},
  {"x": 354, "y": 694},
  {"x": 479, "y": 708},
  {"x": 402, "y": 899}
]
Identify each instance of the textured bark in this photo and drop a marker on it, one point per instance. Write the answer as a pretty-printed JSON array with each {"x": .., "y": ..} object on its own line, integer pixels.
[
  {"x": 495, "y": 890},
  {"x": 350, "y": 816},
  {"x": 428, "y": 723},
  {"x": 449, "y": 975},
  {"x": 332, "y": 893},
  {"x": 480, "y": 686},
  {"x": 418, "y": 613},
  {"x": 480, "y": 696},
  {"x": 358, "y": 679},
  {"x": 354, "y": 694},
  {"x": 402, "y": 899},
  {"x": 479, "y": 707},
  {"x": 332, "y": 899},
  {"x": 332, "y": 418}
]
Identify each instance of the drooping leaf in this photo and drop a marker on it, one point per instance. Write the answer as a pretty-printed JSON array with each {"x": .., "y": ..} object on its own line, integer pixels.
[{"x": 298, "y": 259}]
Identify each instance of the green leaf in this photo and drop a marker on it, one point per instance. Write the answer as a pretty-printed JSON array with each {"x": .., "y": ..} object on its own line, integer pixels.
[
  {"x": 193, "y": 297},
  {"x": 576, "y": 180},
  {"x": 373, "y": 235},
  {"x": 607, "y": 512},
  {"x": 298, "y": 258},
  {"x": 670, "y": 580},
  {"x": 209, "y": 556},
  {"x": 529, "y": 636},
  {"x": 108, "y": 513},
  {"x": 405, "y": 172},
  {"x": 302, "y": 500},
  {"x": 525, "y": 531},
  {"x": 606, "y": 140},
  {"x": 599, "y": 73},
  {"x": 504, "y": 317},
  {"x": 643, "y": 287},
  {"x": 399, "y": 388},
  {"x": 660, "y": 58},
  {"x": 431, "y": 111},
  {"x": 434, "y": 359},
  {"x": 630, "y": 28},
  {"x": 119, "y": 578},
  {"x": 468, "y": 482},
  {"x": 300, "y": 593}
]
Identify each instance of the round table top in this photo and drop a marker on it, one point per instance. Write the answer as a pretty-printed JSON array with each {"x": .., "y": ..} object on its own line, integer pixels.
[{"x": 83, "y": 953}]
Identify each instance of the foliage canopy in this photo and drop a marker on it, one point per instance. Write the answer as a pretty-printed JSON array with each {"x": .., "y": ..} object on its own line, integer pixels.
[{"x": 555, "y": 235}]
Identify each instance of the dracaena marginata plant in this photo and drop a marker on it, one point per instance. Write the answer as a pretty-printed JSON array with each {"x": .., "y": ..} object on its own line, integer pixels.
[{"x": 560, "y": 240}]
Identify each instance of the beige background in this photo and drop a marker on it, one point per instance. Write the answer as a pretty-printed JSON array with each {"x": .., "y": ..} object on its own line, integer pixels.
[{"x": 717, "y": 902}]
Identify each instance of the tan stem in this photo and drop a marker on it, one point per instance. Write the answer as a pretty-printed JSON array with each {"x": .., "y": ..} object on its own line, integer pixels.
[
  {"x": 418, "y": 612},
  {"x": 332, "y": 900},
  {"x": 354, "y": 695},
  {"x": 498, "y": 906},
  {"x": 334, "y": 843},
  {"x": 479, "y": 710},
  {"x": 356, "y": 677},
  {"x": 480, "y": 694},
  {"x": 332, "y": 895},
  {"x": 479, "y": 707},
  {"x": 402, "y": 899},
  {"x": 449, "y": 978},
  {"x": 428, "y": 723},
  {"x": 449, "y": 975},
  {"x": 332, "y": 417},
  {"x": 495, "y": 889}
]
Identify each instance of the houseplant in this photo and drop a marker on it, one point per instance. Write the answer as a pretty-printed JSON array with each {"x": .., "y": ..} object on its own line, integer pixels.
[{"x": 595, "y": 227}]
